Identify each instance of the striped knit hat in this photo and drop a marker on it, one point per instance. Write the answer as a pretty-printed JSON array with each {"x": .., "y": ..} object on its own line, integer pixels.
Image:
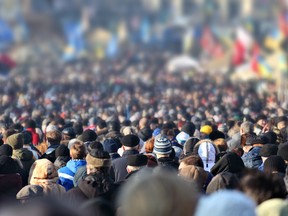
[{"x": 162, "y": 145}]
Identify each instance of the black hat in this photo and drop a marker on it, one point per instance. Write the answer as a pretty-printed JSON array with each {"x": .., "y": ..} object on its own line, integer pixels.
[
  {"x": 137, "y": 160},
  {"x": 275, "y": 164},
  {"x": 62, "y": 150},
  {"x": 216, "y": 135},
  {"x": 283, "y": 151},
  {"x": 88, "y": 136},
  {"x": 130, "y": 140},
  {"x": 268, "y": 150},
  {"x": 188, "y": 128},
  {"x": 270, "y": 136},
  {"x": 251, "y": 140},
  {"x": 145, "y": 134},
  {"x": 69, "y": 131},
  {"x": 261, "y": 116},
  {"x": 189, "y": 145},
  {"x": 6, "y": 150}
]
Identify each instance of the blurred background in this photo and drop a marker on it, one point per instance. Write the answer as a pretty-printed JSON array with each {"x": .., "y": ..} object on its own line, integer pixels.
[{"x": 241, "y": 39}]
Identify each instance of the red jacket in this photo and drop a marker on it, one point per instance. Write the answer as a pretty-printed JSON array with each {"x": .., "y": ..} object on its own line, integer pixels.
[{"x": 35, "y": 136}]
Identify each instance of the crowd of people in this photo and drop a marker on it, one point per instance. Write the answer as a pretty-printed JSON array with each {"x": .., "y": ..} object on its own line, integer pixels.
[{"x": 127, "y": 137}]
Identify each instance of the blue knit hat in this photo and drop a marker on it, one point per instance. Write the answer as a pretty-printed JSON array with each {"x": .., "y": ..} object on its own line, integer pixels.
[{"x": 162, "y": 145}]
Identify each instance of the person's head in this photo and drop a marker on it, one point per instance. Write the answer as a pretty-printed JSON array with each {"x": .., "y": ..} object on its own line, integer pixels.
[
  {"x": 174, "y": 195},
  {"x": 246, "y": 128},
  {"x": 162, "y": 146},
  {"x": 281, "y": 122},
  {"x": 192, "y": 159},
  {"x": 221, "y": 181},
  {"x": 130, "y": 142},
  {"x": 275, "y": 165},
  {"x": 194, "y": 173},
  {"x": 261, "y": 120},
  {"x": 8, "y": 133},
  {"x": 136, "y": 162},
  {"x": 268, "y": 150},
  {"x": 68, "y": 133},
  {"x": 78, "y": 150},
  {"x": 16, "y": 141},
  {"x": 62, "y": 151},
  {"x": 54, "y": 137},
  {"x": 29, "y": 193},
  {"x": 27, "y": 137},
  {"x": 98, "y": 160},
  {"x": 188, "y": 128},
  {"x": 283, "y": 152},
  {"x": 6, "y": 150},
  {"x": 40, "y": 170},
  {"x": 30, "y": 123},
  {"x": 205, "y": 131},
  {"x": 88, "y": 136},
  {"x": 149, "y": 145},
  {"x": 261, "y": 186}
]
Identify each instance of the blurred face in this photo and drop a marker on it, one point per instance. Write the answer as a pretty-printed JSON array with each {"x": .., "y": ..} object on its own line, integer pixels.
[{"x": 262, "y": 122}]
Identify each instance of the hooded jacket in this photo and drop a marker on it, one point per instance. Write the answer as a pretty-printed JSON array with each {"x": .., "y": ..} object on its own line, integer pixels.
[
  {"x": 66, "y": 174},
  {"x": 44, "y": 173},
  {"x": 25, "y": 158}
]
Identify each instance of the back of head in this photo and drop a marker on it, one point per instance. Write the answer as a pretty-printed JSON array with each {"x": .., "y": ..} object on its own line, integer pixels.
[
  {"x": 15, "y": 141},
  {"x": 62, "y": 151},
  {"x": 42, "y": 169},
  {"x": 246, "y": 127},
  {"x": 188, "y": 128},
  {"x": 27, "y": 137},
  {"x": 98, "y": 160},
  {"x": 261, "y": 186},
  {"x": 226, "y": 202},
  {"x": 88, "y": 136},
  {"x": 114, "y": 126},
  {"x": 54, "y": 137},
  {"x": 6, "y": 149},
  {"x": 30, "y": 123},
  {"x": 275, "y": 165},
  {"x": 189, "y": 145},
  {"x": 78, "y": 150},
  {"x": 174, "y": 196},
  {"x": 162, "y": 145},
  {"x": 195, "y": 173}
]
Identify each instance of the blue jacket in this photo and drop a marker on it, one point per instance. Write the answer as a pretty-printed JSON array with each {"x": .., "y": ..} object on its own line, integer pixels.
[
  {"x": 252, "y": 159},
  {"x": 66, "y": 173}
]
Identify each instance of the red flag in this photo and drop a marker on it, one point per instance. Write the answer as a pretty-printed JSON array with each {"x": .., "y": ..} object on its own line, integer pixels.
[{"x": 238, "y": 53}]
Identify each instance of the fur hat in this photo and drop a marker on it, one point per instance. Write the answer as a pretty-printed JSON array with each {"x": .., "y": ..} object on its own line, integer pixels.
[
  {"x": 95, "y": 161},
  {"x": 130, "y": 140},
  {"x": 15, "y": 141},
  {"x": 137, "y": 160}
]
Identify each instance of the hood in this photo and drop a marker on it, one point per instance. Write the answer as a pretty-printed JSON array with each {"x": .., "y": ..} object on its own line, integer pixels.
[
  {"x": 230, "y": 162},
  {"x": 73, "y": 165},
  {"x": 207, "y": 151},
  {"x": 42, "y": 169},
  {"x": 95, "y": 185},
  {"x": 23, "y": 154}
]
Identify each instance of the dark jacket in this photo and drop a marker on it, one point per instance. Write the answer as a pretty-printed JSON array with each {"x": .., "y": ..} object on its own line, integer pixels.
[
  {"x": 26, "y": 158},
  {"x": 93, "y": 185},
  {"x": 50, "y": 153},
  {"x": 61, "y": 161},
  {"x": 118, "y": 168}
]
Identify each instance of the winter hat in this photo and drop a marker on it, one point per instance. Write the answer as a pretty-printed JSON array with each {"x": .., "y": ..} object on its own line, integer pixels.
[
  {"x": 230, "y": 162},
  {"x": 224, "y": 180},
  {"x": 189, "y": 145},
  {"x": 15, "y": 141},
  {"x": 27, "y": 137},
  {"x": 182, "y": 137},
  {"x": 88, "y": 136},
  {"x": 191, "y": 172},
  {"x": 145, "y": 134},
  {"x": 130, "y": 140},
  {"x": 96, "y": 162},
  {"x": 226, "y": 203},
  {"x": 216, "y": 135},
  {"x": 137, "y": 160},
  {"x": 268, "y": 150},
  {"x": 251, "y": 140},
  {"x": 69, "y": 131},
  {"x": 273, "y": 207},
  {"x": 206, "y": 129},
  {"x": 162, "y": 145},
  {"x": 274, "y": 164},
  {"x": 6, "y": 150},
  {"x": 156, "y": 132},
  {"x": 207, "y": 151},
  {"x": 30, "y": 192},
  {"x": 188, "y": 128},
  {"x": 270, "y": 136},
  {"x": 283, "y": 151},
  {"x": 110, "y": 145},
  {"x": 62, "y": 150}
]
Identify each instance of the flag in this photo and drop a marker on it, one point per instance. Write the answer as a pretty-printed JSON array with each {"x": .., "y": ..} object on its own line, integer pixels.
[
  {"x": 6, "y": 64},
  {"x": 145, "y": 29},
  {"x": 112, "y": 47},
  {"x": 6, "y": 35},
  {"x": 274, "y": 39}
]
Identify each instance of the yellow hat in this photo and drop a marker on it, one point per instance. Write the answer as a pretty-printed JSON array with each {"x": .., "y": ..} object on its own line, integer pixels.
[{"x": 206, "y": 129}]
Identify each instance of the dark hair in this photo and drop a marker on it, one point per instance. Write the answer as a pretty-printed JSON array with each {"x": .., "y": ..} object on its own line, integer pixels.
[
  {"x": 98, "y": 206},
  {"x": 261, "y": 186},
  {"x": 30, "y": 123},
  {"x": 95, "y": 145},
  {"x": 193, "y": 159}
]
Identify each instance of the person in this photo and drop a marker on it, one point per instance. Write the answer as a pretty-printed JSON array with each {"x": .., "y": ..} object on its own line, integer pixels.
[
  {"x": 30, "y": 193},
  {"x": 54, "y": 138},
  {"x": 226, "y": 203},
  {"x": 44, "y": 173},
  {"x": 266, "y": 151},
  {"x": 62, "y": 155},
  {"x": 154, "y": 193},
  {"x": 66, "y": 174},
  {"x": 97, "y": 183},
  {"x": 27, "y": 143},
  {"x": 30, "y": 125},
  {"x": 130, "y": 145},
  {"x": 135, "y": 163},
  {"x": 223, "y": 181},
  {"x": 261, "y": 186},
  {"x": 24, "y": 156}
]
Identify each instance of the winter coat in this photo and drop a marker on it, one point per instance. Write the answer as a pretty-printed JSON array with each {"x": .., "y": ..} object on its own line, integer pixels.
[
  {"x": 252, "y": 159},
  {"x": 35, "y": 136},
  {"x": 61, "y": 161},
  {"x": 66, "y": 174},
  {"x": 44, "y": 174},
  {"x": 26, "y": 160},
  {"x": 50, "y": 153},
  {"x": 118, "y": 169}
]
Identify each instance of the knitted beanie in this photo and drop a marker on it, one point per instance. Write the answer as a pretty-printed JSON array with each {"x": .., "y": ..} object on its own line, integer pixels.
[{"x": 162, "y": 145}]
